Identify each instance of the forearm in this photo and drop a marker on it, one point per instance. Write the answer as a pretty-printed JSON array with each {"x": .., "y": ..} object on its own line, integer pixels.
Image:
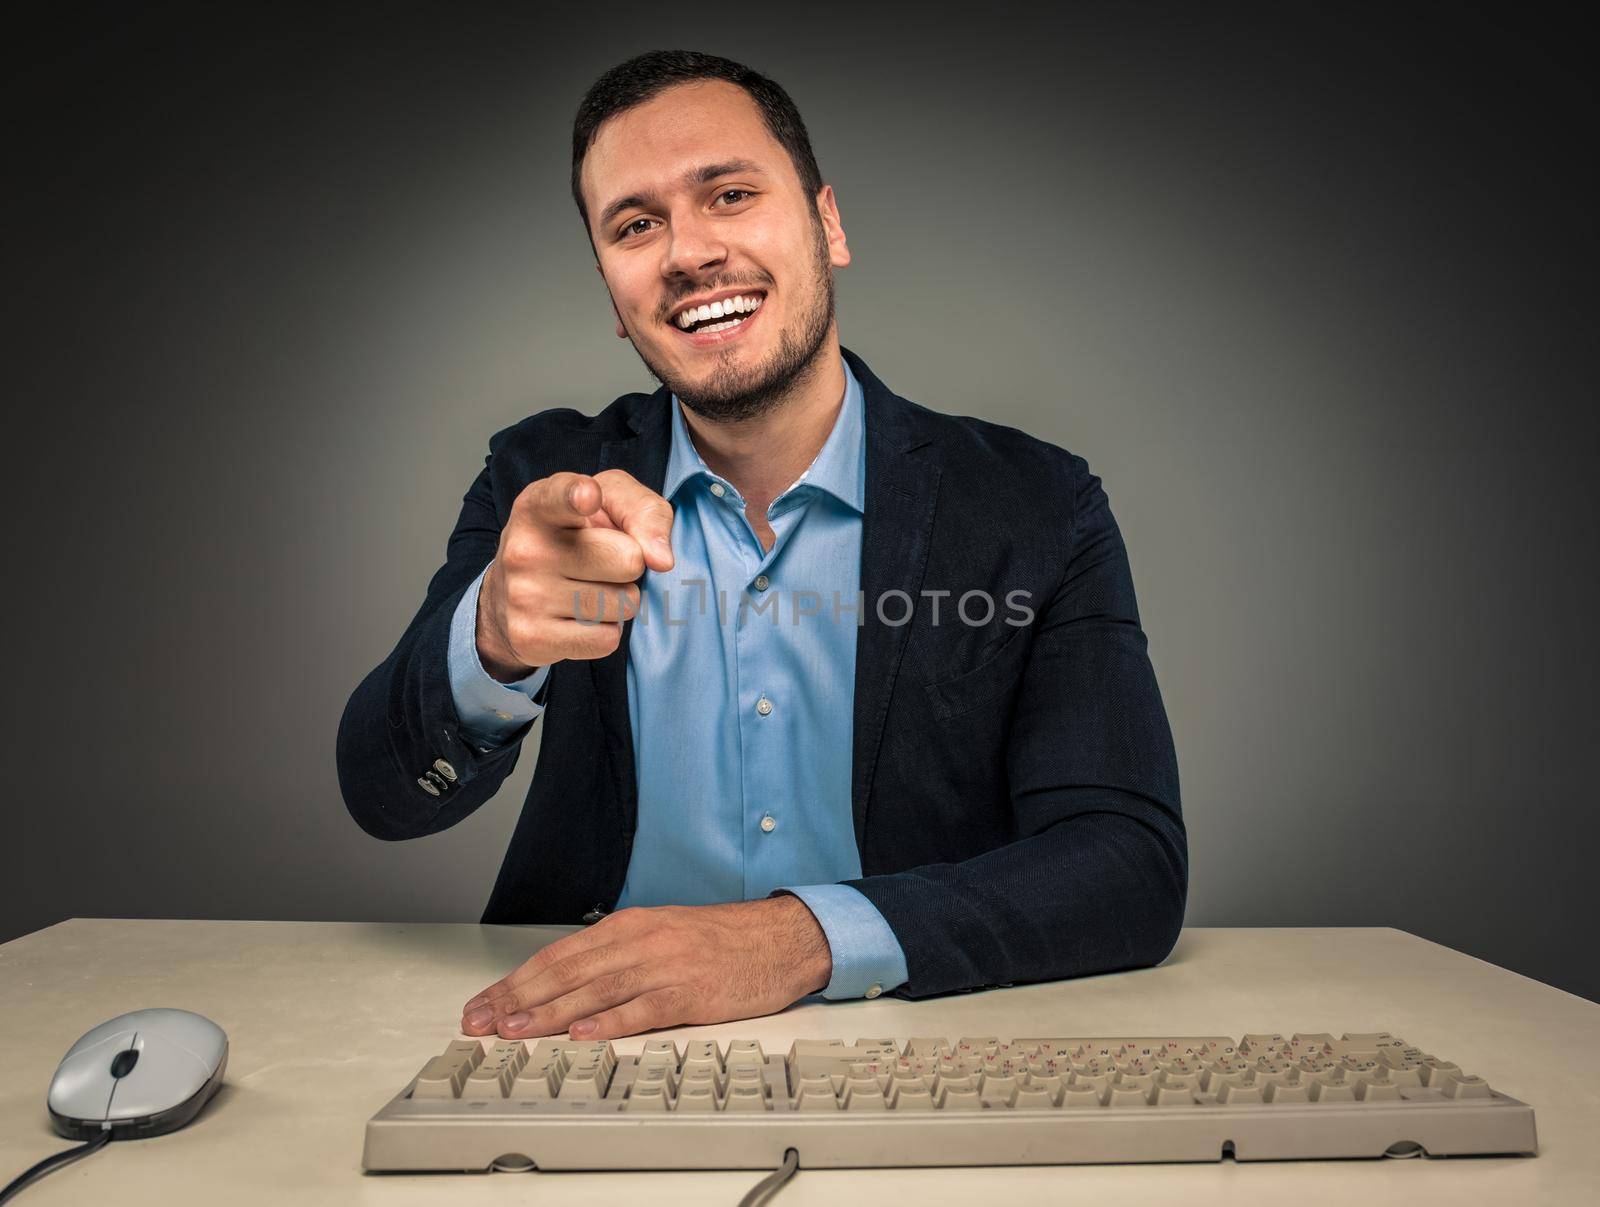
[
  {"x": 1102, "y": 890},
  {"x": 398, "y": 725},
  {"x": 401, "y": 722}
]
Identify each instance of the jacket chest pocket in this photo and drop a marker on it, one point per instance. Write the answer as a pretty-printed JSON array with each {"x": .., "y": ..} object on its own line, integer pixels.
[{"x": 984, "y": 683}]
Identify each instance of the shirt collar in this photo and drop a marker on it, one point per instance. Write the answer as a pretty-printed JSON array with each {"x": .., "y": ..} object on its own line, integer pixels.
[{"x": 839, "y": 468}]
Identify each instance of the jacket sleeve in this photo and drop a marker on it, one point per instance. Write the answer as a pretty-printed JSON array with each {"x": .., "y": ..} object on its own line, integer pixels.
[
  {"x": 401, "y": 722},
  {"x": 1097, "y": 878}
]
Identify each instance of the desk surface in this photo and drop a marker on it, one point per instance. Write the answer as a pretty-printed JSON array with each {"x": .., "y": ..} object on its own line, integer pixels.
[{"x": 327, "y": 1020}]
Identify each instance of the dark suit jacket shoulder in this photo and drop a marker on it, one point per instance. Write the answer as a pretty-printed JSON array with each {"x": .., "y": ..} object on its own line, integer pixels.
[{"x": 1014, "y": 782}]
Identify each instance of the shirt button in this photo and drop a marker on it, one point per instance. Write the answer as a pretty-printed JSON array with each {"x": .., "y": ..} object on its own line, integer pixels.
[
  {"x": 769, "y": 823},
  {"x": 875, "y": 991},
  {"x": 763, "y": 706},
  {"x": 762, "y": 582},
  {"x": 717, "y": 489}
]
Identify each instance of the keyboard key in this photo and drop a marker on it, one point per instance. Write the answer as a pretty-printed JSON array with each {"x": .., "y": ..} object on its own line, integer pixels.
[
  {"x": 659, "y": 1052},
  {"x": 1277, "y": 1092},
  {"x": 1432, "y": 1070},
  {"x": 959, "y": 1098},
  {"x": 584, "y": 1081},
  {"x": 911, "y": 1097},
  {"x": 650, "y": 1098},
  {"x": 536, "y": 1085},
  {"x": 1326, "y": 1091},
  {"x": 1032, "y": 1098},
  {"x": 999, "y": 1091},
  {"x": 1230, "y": 1093},
  {"x": 694, "y": 1097},
  {"x": 745, "y": 1097},
  {"x": 1081, "y": 1095},
  {"x": 1463, "y": 1085},
  {"x": 1377, "y": 1091},
  {"x": 864, "y": 1099},
  {"x": 1127, "y": 1095},
  {"x": 490, "y": 1081},
  {"x": 443, "y": 1076}
]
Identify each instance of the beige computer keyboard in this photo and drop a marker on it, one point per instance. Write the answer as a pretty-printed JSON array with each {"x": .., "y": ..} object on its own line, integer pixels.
[{"x": 555, "y": 1104}]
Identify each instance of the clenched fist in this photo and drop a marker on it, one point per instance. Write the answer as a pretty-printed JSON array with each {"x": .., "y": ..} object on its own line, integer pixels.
[{"x": 566, "y": 572}]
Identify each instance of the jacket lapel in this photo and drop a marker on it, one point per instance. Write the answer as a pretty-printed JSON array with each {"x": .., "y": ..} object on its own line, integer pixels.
[{"x": 896, "y": 528}]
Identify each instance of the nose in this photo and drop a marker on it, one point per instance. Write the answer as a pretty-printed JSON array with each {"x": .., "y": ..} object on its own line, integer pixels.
[{"x": 693, "y": 246}]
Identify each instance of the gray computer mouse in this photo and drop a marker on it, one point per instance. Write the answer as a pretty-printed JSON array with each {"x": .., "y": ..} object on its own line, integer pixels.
[{"x": 137, "y": 1075}]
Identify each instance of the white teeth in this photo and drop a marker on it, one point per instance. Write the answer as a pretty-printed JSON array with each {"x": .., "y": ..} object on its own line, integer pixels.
[{"x": 724, "y": 308}]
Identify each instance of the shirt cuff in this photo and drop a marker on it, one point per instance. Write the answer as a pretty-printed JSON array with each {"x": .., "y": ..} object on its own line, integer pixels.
[
  {"x": 867, "y": 959},
  {"x": 490, "y": 711}
]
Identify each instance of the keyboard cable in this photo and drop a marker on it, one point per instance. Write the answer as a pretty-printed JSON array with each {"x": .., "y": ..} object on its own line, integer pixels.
[
  {"x": 763, "y": 1190},
  {"x": 52, "y": 1163}
]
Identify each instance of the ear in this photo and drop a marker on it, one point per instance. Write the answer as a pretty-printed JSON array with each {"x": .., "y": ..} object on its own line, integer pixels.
[
  {"x": 622, "y": 332},
  {"x": 828, "y": 210}
]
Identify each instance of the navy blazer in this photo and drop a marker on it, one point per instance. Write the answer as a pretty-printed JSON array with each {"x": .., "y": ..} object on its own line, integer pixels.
[{"x": 1014, "y": 786}]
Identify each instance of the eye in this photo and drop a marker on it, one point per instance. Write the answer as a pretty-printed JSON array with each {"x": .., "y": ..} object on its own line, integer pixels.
[
  {"x": 627, "y": 231},
  {"x": 741, "y": 192}
]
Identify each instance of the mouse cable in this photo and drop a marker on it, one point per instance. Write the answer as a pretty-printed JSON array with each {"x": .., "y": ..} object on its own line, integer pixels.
[
  {"x": 53, "y": 1163},
  {"x": 763, "y": 1190}
]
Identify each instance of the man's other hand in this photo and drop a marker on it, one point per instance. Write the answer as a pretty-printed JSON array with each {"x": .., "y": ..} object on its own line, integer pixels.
[
  {"x": 563, "y": 577},
  {"x": 642, "y": 969}
]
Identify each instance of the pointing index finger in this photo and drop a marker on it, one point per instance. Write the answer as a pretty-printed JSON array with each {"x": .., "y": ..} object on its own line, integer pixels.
[
  {"x": 563, "y": 500},
  {"x": 640, "y": 512}
]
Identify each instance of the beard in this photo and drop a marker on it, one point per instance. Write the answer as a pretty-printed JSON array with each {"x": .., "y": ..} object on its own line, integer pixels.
[{"x": 731, "y": 392}]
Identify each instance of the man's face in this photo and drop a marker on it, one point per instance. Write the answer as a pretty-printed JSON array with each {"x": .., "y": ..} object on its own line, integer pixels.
[{"x": 691, "y": 199}]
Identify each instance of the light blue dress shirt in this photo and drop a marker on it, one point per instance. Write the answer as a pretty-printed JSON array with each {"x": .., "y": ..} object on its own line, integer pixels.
[{"x": 741, "y": 692}]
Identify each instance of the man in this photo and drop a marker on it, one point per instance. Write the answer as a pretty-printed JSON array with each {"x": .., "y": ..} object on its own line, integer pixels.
[{"x": 840, "y": 694}]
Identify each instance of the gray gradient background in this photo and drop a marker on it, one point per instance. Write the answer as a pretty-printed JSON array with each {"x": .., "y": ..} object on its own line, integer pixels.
[{"x": 1315, "y": 299}]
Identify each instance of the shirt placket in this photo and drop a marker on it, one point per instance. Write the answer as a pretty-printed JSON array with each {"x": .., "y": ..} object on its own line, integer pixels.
[{"x": 764, "y": 699}]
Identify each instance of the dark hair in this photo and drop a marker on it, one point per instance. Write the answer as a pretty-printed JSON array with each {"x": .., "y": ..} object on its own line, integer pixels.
[{"x": 644, "y": 77}]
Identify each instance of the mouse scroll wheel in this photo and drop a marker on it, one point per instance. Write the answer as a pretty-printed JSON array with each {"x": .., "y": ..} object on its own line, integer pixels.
[{"x": 122, "y": 1063}]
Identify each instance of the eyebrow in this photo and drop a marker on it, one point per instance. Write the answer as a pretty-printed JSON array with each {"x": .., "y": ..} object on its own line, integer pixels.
[{"x": 694, "y": 176}]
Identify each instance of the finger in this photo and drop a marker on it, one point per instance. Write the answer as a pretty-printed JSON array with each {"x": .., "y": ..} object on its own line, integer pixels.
[
  {"x": 567, "y": 975},
  {"x": 640, "y": 512},
  {"x": 582, "y": 640},
  {"x": 563, "y": 500},
  {"x": 601, "y": 555},
  {"x": 599, "y": 994},
  {"x": 578, "y": 940},
  {"x": 667, "y": 1006},
  {"x": 592, "y": 602}
]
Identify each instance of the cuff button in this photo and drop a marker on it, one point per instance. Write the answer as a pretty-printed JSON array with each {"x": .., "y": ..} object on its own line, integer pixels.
[
  {"x": 427, "y": 785},
  {"x": 875, "y": 991},
  {"x": 445, "y": 769}
]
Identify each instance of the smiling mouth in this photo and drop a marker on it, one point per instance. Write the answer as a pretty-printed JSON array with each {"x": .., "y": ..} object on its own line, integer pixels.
[{"x": 723, "y": 315}]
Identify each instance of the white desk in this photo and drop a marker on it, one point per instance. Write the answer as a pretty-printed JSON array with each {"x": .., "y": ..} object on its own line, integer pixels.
[{"x": 327, "y": 1020}]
